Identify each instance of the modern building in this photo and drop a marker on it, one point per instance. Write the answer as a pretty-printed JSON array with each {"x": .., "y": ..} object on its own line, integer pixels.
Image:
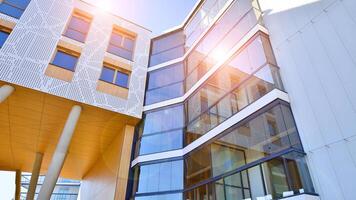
[
  {"x": 246, "y": 99},
  {"x": 65, "y": 189}
]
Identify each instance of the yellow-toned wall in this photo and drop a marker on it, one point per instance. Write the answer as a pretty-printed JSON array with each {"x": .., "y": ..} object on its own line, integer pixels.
[{"x": 105, "y": 177}]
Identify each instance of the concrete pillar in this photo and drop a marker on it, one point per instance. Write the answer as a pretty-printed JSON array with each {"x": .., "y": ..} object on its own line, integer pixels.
[
  {"x": 59, "y": 154},
  {"x": 5, "y": 91},
  {"x": 18, "y": 185},
  {"x": 124, "y": 165},
  {"x": 34, "y": 177}
]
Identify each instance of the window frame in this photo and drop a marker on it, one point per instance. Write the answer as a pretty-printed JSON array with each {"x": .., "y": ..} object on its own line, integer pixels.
[
  {"x": 124, "y": 35},
  {"x": 66, "y": 51},
  {"x": 80, "y": 15},
  {"x": 14, "y": 6},
  {"x": 5, "y": 30},
  {"x": 116, "y": 70}
]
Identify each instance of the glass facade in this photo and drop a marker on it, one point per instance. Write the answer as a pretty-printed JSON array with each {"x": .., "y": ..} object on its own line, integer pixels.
[
  {"x": 13, "y": 8},
  {"x": 259, "y": 156},
  {"x": 65, "y": 189},
  {"x": 166, "y": 123}
]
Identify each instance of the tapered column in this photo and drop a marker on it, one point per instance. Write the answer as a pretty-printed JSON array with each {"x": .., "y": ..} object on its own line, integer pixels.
[
  {"x": 34, "y": 177},
  {"x": 124, "y": 166},
  {"x": 18, "y": 185},
  {"x": 59, "y": 155},
  {"x": 5, "y": 91}
]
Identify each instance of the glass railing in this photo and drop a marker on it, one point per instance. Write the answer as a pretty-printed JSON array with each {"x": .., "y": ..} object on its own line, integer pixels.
[{"x": 257, "y": 85}]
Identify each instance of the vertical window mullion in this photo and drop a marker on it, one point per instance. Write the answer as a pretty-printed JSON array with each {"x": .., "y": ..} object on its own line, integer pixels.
[{"x": 115, "y": 76}]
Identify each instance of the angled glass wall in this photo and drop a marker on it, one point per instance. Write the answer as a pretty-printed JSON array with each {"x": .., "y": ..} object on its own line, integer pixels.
[
  {"x": 261, "y": 155},
  {"x": 233, "y": 25}
]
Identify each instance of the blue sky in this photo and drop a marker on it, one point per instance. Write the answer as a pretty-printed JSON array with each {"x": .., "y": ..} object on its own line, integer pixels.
[{"x": 156, "y": 15}]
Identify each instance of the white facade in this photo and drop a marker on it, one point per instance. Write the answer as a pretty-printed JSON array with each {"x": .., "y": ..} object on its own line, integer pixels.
[
  {"x": 31, "y": 44},
  {"x": 315, "y": 47}
]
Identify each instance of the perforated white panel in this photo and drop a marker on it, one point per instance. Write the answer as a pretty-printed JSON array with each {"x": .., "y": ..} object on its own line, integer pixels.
[{"x": 29, "y": 48}]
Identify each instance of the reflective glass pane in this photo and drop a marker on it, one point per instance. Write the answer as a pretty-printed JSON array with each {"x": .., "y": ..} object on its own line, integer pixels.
[
  {"x": 65, "y": 60},
  {"x": 167, "y": 75},
  {"x": 120, "y": 52},
  {"x": 107, "y": 74},
  {"x": 165, "y": 141},
  {"x": 129, "y": 44},
  {"x": 3, "y": 37},
  {"x": 159, "y": 177},
  {"x": 79, "y": 25},
  {"x": 116, "y": 39},
  {"x": 75, "y": 35},
  {"x": 122, "y": 79},
  {"x": 164, "y": 120}
]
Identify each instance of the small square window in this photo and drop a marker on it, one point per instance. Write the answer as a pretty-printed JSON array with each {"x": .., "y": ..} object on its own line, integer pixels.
[
  {"x": 78, "y": 27},
  {"x": 107, "y": 74},
  {"x": 114, "y": 76},
  {"x": 65, "y": 60},
  {"x": 13, "y": 8},
  {"x": 122, "y": 79},
  {"x": 121, "y": 44},
  {"x": 3, "y": 37}
]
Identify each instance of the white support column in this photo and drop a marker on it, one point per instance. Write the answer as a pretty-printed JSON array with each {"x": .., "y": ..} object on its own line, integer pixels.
[
  {"x": 5, "y": 91},
  {"x": 59, "y": 155},
  {"x": 34, "y": 177}
]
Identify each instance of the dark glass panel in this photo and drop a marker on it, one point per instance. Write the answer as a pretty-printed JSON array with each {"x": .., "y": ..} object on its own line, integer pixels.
[
  {"x": 22, "y": 4},
  {"x": 122, "y": 79},
  {"x": 65, "y": 60},
  {"x": 10, "y": 10},
  {"x": 3, "y": 37},
  {"x": 198, "y": 166},
  {"x": 107, "y": 74}
]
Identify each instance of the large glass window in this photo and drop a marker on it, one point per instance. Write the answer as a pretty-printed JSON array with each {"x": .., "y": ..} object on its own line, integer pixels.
[
  {"x": 167, "y": 47},
  {"x": 78, "y": 26},
  {"x": 162, "y": 130},
  {"x": 225, "y": 34},
  {"x": 13, "y": 8},
  {"x": 159, "y": 177},
  {"x": 270, "y": 131},
  {"x": 164, "y": 84},
  {"x": 273, "y": 178},
  {"x": 121, "y": 44},
  {"x": 246, "y": 77},
  {"x": 65, "y": 59}
]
